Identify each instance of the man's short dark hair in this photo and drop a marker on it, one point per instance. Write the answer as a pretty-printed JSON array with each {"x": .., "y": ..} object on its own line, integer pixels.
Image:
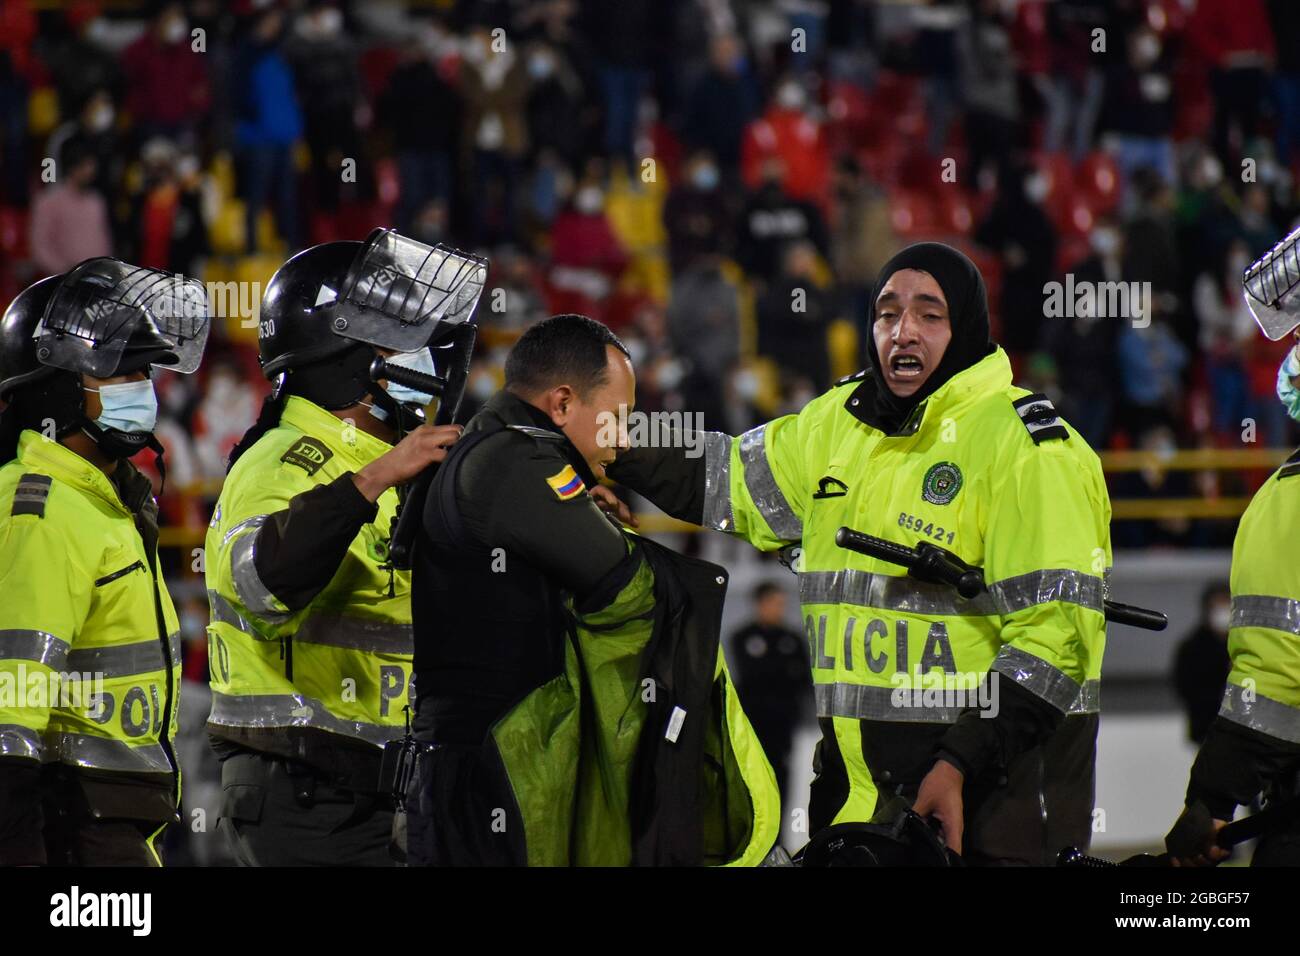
[
  {"x": 767, "y": 589},
  {"x": 561, "y": 350}
]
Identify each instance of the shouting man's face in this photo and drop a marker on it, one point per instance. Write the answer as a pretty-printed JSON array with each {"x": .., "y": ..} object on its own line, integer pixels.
[{"x": 911, "y": 330}]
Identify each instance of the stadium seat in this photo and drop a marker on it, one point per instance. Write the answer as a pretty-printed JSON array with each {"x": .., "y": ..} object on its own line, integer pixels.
[
  {"x": 1098, "y": 176},
  {"x": 13, "y": 232},
  {"x": 913, "y": 213}
]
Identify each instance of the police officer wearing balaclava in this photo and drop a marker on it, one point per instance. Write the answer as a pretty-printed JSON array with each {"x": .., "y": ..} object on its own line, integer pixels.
[{"x": 983, "y": 712}]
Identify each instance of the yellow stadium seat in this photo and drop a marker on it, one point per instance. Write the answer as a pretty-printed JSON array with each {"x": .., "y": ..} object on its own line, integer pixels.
[{"x": 42, "y": 111}]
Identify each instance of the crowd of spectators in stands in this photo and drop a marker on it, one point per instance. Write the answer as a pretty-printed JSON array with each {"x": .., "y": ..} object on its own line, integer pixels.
[{"x": 718, "y": 180}]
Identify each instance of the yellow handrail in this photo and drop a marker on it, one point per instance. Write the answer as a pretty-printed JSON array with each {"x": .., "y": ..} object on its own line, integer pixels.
[{"x": 1195, "y": 459}]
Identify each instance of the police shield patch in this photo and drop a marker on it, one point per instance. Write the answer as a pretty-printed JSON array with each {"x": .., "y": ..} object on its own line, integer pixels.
[
  {"x": 941, "y": 483},
  {"x": 308, "y": 454}
]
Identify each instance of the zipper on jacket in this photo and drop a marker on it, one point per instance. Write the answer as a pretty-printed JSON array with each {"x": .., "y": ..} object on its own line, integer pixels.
[
  {"x": 109, "y": 578},
  {"x": 286, "y": 655},
  {"x": 1042, "y": 803},
  {"x": 164, "y": 735}
]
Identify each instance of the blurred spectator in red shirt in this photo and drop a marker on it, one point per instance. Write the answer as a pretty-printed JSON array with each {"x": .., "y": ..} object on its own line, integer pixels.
[
  {"x": 167, "y": 229},
  {"x": 788, "y": 132},
  {"x": 166, "y": 80},
  {"x": 69, "y": 219},
  {"x": 586, "y": 256}
]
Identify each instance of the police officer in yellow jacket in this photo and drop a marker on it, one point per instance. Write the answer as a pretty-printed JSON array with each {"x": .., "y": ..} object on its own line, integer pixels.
[
  {"x": 89, "y": 641},
  {"x": 1253, "y": 746},
  {"x": 310, "y": 642},
  {"x": 982, "y": 712}
]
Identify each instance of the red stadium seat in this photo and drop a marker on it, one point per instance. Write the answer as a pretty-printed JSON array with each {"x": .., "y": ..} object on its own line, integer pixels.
[
  {"x": 13, "y": 232},
  {"x": 913, "y": 213},
  {"x": 1098, "y": 176},
  {"x": 1060, "y": 179},
  {"x": 956, "y": 212},
  {"x": 1075, "y": 217}
]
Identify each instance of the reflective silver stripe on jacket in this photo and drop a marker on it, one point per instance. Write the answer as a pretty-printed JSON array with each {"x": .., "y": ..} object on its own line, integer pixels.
[
  {"x": 1037, "y": 676},
  {"x": 1089, "y": 699},
  {"x": 878, "y": 703},
  {"x": 1263, "y": 610},
  {"x": 223, "y": 612},
  {"x": 357, "y": 634},
  {"x": 19, "y": 741},
  {"x": 717, "y": 482},
  {"x": 23, "y": 645},
  {"x": 352, "y": 633},
  {"x": 1252, "y": 709},
  {"x": 869, "y": 702},
  {"x": 124, "y": 660},
  {"x": 767, "y": 495},
  {"x": 909, "y": 596},
  {"x": 102, "y": 753},
  {"x": 292, "y": 710},
  {"x": 254, "y": 594}
]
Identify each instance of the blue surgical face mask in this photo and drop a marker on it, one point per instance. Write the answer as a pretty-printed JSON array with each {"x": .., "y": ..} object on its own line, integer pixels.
[
  {"x": 128, "y": 406},
  {"x": 1288, "y": 393},
  {"x": 421, "y": 361}
]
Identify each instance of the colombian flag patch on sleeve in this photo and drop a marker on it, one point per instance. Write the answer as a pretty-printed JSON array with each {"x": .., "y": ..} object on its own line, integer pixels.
[{"x": 566, "y": 484}]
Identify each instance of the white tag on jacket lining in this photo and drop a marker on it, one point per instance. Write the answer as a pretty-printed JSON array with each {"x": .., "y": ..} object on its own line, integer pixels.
[{"x": 675, "y": 725}]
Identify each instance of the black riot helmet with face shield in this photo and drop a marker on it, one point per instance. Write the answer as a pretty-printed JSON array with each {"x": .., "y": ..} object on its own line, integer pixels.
[
  {"x": 331, "y": 310},
  {"x": 1272, "y": 288},
  {"x": 103, "y": 319}
]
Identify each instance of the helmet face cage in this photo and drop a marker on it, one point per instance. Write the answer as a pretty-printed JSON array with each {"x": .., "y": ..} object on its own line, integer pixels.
[
  {"x": 99, "y": 304},
  {"x": 1271, "y": 288},
  {"x": 400, "y": 294}
]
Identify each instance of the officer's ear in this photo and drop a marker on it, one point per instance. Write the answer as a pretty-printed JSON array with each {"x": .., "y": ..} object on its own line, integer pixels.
[{"x": 560, "y": 402}]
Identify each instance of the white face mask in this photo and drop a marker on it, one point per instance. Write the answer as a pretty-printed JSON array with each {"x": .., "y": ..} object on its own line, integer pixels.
[
  {"x": 1221, "y": 617},
  {"x": 791, "y": 96},
  {"x": 589, "y": 200},
  {"x": 130, "y": 407},
  {"x": 1036, "y": 187},
  {"x": 1286, "y": 392},
  {"x": 635, "y": 350},
  {"x": 101, "y": 118},
  {"x": 175, "y": 30},
  {"x": 421, "y": 361},
  {"x": 1104, "y": 241},
  {"x": 482, "y": 385}
]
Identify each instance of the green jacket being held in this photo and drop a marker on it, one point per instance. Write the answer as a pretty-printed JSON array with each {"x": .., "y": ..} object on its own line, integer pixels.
[{"x": 572, "y": 698}]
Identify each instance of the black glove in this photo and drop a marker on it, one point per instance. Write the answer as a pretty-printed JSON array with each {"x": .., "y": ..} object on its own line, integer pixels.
[{"x": 1192, "y": 832}]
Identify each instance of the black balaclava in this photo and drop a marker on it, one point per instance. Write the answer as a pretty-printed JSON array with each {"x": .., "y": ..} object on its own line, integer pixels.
[{"x": 968, "y": 312}]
